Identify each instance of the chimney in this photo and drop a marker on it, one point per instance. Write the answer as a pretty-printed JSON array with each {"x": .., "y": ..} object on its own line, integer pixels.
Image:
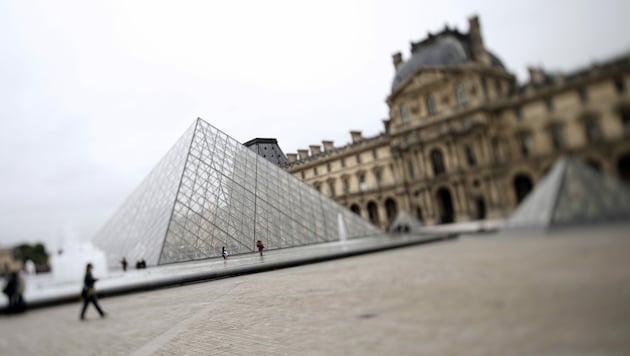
[
  {"x": 303, "y": 154},
  {"x": 398, "y": 60},
  {"x": 356, "y": 136},
  {"x": 476, "y": 41},
  {"x": 292, "y": 157},
  {"x": 328, "y": 146},
  {"x": 536, "y": 75},
  {"x": 315, "y": 149}
]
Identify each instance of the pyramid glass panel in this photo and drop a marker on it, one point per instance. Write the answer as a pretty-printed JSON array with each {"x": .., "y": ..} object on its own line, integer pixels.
[{"x": 210, "y": 191}]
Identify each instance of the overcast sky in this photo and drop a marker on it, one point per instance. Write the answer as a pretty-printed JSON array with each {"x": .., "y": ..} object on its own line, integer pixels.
[{"x": 93, "y": 94}]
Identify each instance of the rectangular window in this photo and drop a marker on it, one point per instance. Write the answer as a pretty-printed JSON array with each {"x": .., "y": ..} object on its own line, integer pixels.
[
  {"x": 331, "y": 188},
  {"x": 358, "y": 158},
  {"x": 430, "y": 104},
  {"x": 362, "y": 183},
  {"x": 374, "y": 154},
  {"x": 524, "y": 144},
  {"x": 343, "y": 162},
  {"x": 620, "y": 85},
  {"x": 460, "y": 95},
  {"x": 593, "y": 131},
  {"x": 497, "y": 87},
  {"x": 549, "y": 104},
  {"x": 412, "y": 173},
  {"x": 484, "y": 87},
  {"x": 315, "y": 170},
  {"x": 404, "y": 113},
  {"x": 470, "y": 155},
  {"x": 557, "y": 141},
  {"x": 346, "y": 186},
  {"x": 328, "y": 167},
  {"x": 625, "y": 119},
  {"x": 518, "y": 113},
  {"x": 583, "y": 95}
]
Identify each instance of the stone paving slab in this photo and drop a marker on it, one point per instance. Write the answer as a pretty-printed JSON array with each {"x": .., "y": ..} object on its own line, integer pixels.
[{"x": 567, "y": 295}]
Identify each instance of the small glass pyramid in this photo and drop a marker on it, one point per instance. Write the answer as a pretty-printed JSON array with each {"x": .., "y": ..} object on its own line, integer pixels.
[
  {"x": 572, "y": 193},
  {"x": 210, "y": 191}
]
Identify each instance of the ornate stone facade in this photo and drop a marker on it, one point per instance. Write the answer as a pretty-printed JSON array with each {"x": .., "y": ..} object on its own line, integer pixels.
[{"x": 464, "y": 141}]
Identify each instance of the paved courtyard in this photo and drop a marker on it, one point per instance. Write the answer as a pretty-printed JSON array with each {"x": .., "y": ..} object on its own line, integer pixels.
[{"x": 566, "y": 295}]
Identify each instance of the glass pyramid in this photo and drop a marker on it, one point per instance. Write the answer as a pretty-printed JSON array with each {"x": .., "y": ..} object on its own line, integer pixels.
[
  {"x": 210, "y": 191},
  {"x": 572, "y": 193}
]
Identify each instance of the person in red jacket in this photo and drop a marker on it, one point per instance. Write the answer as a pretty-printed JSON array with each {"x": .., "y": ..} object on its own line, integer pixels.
[{"x": 260, "y": 246}]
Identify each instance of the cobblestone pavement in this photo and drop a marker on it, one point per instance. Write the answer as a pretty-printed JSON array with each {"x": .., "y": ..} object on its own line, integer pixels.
[{"x": 473, "y": 296}]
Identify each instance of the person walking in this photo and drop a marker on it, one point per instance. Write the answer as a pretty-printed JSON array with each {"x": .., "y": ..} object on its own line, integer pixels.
[
  {"x": 14, "y": 290},
  {"x": 123, "y": 262},
  {"x": 88, "y": 294},
  {"x": 260, "y": 246},
  {"x": 224, "y": 253}
]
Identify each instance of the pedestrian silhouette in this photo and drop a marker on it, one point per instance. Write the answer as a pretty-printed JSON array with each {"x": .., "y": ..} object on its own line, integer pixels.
[
  {"x": 260, "y": 246},
  {"x": 224, "y": 253},
  {"x": 88, "y": 294},
  {"x": 14, "y": 289},
  {"x": 123, "y": 262}
]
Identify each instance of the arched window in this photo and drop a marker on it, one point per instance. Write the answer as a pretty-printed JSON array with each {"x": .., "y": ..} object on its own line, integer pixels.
[
  {"x": 355, "y": 209},
  {"x": 623, "y": 167},
  {"x": 438, "y": 162},
  {"x": 522, "y": 186},
  {"x": 372, "y": 212},
  {"x": 391, "y": 209},
  {"x": 445, "y": 206}
]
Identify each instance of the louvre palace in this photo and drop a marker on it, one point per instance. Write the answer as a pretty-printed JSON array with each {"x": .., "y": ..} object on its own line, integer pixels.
[{"x": 465, "y": 141}]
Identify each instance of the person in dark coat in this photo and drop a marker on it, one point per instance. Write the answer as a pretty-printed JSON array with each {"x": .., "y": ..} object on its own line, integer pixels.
[
  {"x": 224, "y": 253},
  {"x": 123, "y": 262},
  {"x": 14, "y": 289},
  {"x": 88, "y": 294}
]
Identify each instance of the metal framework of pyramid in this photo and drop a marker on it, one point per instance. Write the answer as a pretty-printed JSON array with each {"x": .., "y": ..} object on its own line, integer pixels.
[
  {"x": 572, "y": 193},
  {"x": 406, "y": 222},
  {"x": 210, "y": 191}
]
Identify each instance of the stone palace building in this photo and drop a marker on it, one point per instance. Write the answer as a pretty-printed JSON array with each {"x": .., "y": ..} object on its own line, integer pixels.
[{"x": 464, "y": 141}]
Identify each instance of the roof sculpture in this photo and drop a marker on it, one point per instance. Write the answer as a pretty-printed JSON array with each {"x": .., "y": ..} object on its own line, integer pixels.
[{"x": 210, "y": 191}]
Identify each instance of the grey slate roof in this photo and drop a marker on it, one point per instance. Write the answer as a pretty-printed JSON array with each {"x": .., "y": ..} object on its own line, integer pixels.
[{"x": 449, "y": 48}]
